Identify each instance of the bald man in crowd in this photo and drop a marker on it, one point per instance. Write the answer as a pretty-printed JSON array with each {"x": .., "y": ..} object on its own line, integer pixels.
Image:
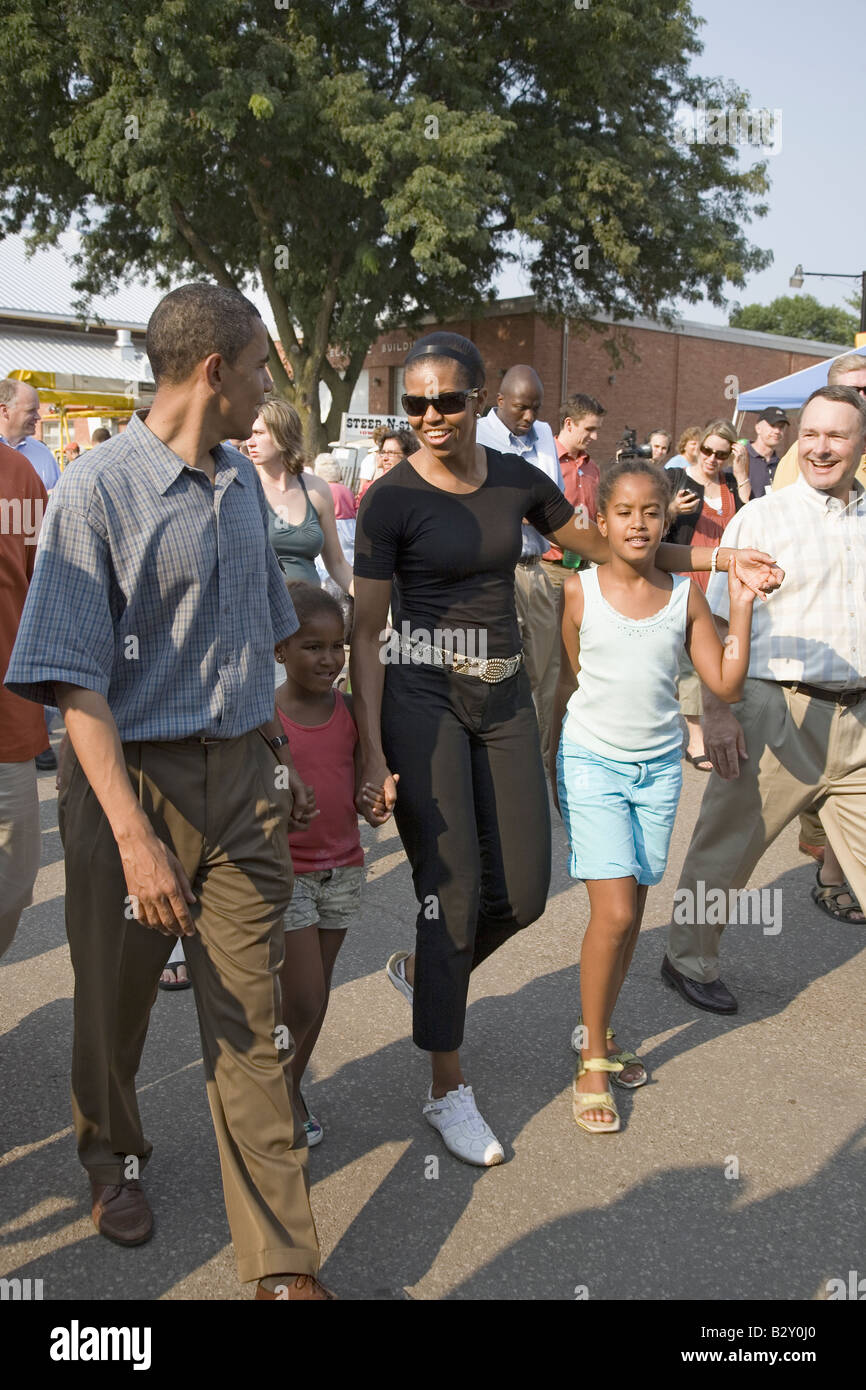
[{"x": 513, "y": 427}]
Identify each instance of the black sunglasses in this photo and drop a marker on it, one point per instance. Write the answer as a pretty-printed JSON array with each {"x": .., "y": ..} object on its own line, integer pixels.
[
  {"x": 449, "y": 403},
  {"x": 715, "y": 453}
]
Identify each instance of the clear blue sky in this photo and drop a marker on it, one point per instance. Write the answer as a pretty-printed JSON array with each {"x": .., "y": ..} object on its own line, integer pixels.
[{"x": 807, "y": 60}]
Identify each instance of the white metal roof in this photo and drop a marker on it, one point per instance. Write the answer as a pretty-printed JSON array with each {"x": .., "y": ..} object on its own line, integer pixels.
[
  {"x": 40, "y": 287},
  {"x": 78, "y": 354}
]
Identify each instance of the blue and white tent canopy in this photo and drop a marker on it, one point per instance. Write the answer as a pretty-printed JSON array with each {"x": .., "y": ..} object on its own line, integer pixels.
[{"x": 789, "y": 392}]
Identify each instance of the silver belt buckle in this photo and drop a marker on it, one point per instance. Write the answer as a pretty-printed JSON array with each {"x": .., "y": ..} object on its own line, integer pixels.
[{"x": 494, "y": 670}]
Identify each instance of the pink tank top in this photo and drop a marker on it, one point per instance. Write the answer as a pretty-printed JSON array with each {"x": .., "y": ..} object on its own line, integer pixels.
[{"x": 324, "y": 756}]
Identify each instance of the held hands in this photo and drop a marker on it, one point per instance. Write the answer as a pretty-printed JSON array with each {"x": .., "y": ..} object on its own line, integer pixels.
[
  {"x": 303, "y": 801},
  {"x": 377, "y": 795},
  {"x": 740, "y": 593},
  {"x": 757, "y": 571}
]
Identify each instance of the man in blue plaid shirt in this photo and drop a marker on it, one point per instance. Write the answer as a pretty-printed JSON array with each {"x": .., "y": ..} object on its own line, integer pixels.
[{"x": 151, "y": 621}]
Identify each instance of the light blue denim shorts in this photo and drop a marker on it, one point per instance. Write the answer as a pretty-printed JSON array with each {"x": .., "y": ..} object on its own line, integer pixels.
[{"x": 619, "y": 816}]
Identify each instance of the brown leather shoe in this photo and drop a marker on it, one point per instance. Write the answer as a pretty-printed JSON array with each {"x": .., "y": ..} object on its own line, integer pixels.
[
  {"x": 301, "y": 1286},
  {"x": 121, "y": 1212}
]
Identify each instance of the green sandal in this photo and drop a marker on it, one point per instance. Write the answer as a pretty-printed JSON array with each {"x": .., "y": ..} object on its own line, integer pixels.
[
  {"x": 582, "y": 1101},
  {"x": 628, "y": 1059}
]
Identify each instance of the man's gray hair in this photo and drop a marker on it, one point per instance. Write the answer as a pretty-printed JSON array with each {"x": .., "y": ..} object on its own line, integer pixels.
[{"x": 8, "y": 390}]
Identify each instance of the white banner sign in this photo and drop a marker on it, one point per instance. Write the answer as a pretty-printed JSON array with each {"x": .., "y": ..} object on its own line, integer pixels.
[{"x": 362, "y": 426}]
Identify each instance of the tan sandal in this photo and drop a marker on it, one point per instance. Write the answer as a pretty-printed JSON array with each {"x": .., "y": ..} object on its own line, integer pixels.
[
  {"x": 582, "y": 1101},
  {"x": 628, "y": 1059}
]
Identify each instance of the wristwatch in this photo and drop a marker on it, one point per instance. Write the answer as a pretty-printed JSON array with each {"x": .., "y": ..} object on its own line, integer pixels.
[{"x": 278, "y": 741}]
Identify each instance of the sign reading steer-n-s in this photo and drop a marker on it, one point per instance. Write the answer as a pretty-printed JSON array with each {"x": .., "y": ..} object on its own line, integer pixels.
[{"x": 362, "y": 426}]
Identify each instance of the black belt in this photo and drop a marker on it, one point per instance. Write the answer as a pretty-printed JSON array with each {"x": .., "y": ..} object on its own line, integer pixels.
[
  {"x": 820, "y": 692},
  {"x": 198, "y": 740}
]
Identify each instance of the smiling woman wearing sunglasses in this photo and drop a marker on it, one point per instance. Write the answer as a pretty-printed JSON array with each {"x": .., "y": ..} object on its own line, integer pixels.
[
  {"x": 718, "y": 483},
  {"x": 445, "y": 706}
]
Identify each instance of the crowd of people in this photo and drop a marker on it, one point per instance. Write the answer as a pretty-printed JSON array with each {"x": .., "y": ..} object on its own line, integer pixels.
[{"x": 566, "y": 620}]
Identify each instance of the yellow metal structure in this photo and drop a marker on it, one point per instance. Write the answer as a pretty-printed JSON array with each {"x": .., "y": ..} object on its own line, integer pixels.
[{"x": 80, "y": 397}]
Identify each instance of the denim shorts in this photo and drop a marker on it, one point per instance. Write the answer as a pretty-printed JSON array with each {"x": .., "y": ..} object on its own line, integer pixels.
[
  {"x": 325, "y": 898},
  {"x": 619, "y": 816}
]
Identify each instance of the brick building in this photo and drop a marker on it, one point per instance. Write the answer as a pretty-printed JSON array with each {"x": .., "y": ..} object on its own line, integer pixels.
[{"x": 666, "y": 378}]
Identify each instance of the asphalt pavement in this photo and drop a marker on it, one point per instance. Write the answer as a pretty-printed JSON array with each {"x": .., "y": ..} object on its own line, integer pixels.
[{"x": 739, "y": 1171}]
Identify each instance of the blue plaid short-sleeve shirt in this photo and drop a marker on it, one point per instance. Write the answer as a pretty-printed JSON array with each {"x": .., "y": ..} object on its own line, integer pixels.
[{"x": 158, "y": 590}]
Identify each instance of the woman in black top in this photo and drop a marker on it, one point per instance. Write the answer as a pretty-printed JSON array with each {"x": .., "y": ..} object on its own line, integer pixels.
[{"x": 459, "y": 735}]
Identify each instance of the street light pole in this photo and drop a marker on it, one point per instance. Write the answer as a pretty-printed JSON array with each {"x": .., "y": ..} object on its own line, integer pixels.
[{"x": 796, "y": 283}]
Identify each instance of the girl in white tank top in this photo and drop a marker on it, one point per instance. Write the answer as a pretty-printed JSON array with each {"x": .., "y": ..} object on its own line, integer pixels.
[{"x": 616, "y": 772}]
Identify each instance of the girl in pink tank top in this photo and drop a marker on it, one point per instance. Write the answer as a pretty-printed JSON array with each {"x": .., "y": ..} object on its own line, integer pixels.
[{"x": 327, "y": 857}]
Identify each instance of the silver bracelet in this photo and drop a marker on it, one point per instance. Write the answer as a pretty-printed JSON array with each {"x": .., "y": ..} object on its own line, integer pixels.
[{"x": 714, "y": 559}]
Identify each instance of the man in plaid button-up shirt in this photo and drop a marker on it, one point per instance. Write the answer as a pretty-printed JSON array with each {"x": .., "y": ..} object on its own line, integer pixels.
[{"x": 151, "y": 621}]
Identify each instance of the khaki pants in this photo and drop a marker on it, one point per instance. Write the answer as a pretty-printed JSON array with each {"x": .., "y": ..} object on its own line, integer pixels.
[
  {"x": 20, "y": 844},
  {"x": 218, "y": 808},
  {"x": 688, "y": 687},
  {"x": 802, "y": 753},
  {"x": 537, "y": 601},
  {"x": 811, "y": 830}
]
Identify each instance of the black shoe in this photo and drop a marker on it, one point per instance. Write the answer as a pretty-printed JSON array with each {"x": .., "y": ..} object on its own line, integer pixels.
[
  {"x": 47, "y": 761},
  {"x": 715, "y": 997}
]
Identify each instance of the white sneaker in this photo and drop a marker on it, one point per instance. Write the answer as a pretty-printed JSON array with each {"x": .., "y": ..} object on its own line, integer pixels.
[
  {"x": 465, "y": 1133},
  {"x": 396, "y": 972}
]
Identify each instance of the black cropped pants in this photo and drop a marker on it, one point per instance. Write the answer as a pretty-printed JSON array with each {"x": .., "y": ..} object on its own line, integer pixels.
[{"x": 474, "y": 819}]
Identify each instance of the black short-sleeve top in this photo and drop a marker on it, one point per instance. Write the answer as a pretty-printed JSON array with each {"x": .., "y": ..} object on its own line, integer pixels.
[{"x": 453, "y": 556}]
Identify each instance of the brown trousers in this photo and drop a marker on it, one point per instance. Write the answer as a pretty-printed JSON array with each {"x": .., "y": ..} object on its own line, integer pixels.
[
  {"x": 218, "y": 808},
  {"x": 803, "y": 753}
]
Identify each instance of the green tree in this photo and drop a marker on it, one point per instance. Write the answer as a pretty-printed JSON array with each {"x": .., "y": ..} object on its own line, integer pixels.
[
  {"x": 798, "y": 316},
  {"x": 370, "y": 161}
]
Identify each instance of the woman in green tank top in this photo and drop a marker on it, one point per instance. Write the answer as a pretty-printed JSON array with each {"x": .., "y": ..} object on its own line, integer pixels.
[{"x": 301, "y": 523}]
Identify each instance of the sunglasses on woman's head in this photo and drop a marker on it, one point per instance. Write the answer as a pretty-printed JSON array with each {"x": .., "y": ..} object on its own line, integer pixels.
[
  {"x": 449, "y": 403},
  {"x": 715, "y": 453}
]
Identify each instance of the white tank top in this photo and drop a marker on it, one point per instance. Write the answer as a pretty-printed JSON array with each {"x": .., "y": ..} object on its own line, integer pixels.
[{"x": 625, "y": 706}]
